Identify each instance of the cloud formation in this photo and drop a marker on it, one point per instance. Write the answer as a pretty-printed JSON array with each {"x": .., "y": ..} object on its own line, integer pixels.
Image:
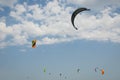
[
  {"x": 8, "y": 3},
  {"x": 51, "y": 24},
  {"x": 96, "y": 4}
]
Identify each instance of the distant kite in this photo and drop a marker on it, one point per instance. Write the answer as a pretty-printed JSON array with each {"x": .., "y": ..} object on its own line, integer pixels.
[
  {"x": 60, "y": 74},
  {"x": 98, "y": 69},
  {"x": 49, "y": 73},
  {"x": 102, "y": 71},
  {"x": 44, "y": 70},
  {"x": 78, "y": 70},
  {"x": 75, "y": 13},
  {"x": 34, "y": 43}
]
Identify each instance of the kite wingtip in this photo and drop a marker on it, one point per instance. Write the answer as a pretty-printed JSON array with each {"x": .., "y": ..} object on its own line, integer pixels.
[
  {"x": 88, "y": 9},
  {"x": 76, "y": 28}
]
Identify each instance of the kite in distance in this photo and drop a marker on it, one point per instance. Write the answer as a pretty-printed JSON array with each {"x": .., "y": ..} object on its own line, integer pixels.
[
  {"x": 34, "y": 43},
  {"x": 101, "y": 70},
  {"x": 44, "y": 70},
  {"x": 60, "y": 74},
  {"x": 78, "y": 70},
  {"x": 96, "y": 69},
  {"x": 75, "y": 13},
  {"x": 49, "y": 73}
]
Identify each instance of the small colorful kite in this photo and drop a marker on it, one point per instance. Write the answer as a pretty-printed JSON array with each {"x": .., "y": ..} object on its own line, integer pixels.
[{"x": 34, "y": 43}]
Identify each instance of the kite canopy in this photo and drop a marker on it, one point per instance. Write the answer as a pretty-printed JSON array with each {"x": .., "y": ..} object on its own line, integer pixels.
[
  {"x": 60, "y": 74},
  {"x": 102, "y": 71},
  {"x": 75, "y": 13},
  {"x": 44, "y": 70},
  {"x": 34, "y": 43},
  {"x": 78, "y": 70},
  {"x": 96, "y": 69}
]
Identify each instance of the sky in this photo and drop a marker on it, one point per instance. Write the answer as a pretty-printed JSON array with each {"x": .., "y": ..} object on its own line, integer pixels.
[{"x": 59, "y": 48}]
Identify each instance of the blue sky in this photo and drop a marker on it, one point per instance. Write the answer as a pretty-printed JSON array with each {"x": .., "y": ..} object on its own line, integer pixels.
[{"x": 60, "y": 48}]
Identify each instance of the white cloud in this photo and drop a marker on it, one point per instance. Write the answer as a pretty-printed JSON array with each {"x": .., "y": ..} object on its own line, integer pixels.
[
  {"x": 8, "y": 3},
  {"x": 47, "y": 40},
  {"x": 53, "y": 7},
  {"x": 4, "y": 31},
  {"x": 95, "y": 4},
  {"x": 18, "y": 12},
  {"x": 20, "y": 9},
  {"x": 36, "y": 12},
  {"x": 52, "y": 25}
]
